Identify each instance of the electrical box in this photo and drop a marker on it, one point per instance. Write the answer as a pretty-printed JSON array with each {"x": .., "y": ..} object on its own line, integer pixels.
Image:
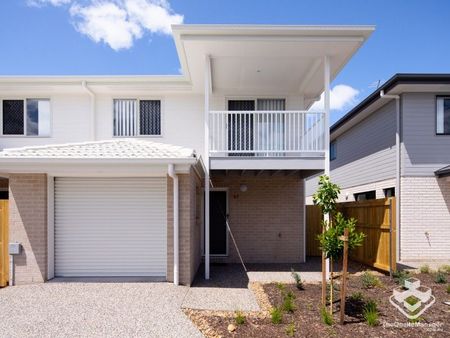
[{"x": 14, "y": 248}]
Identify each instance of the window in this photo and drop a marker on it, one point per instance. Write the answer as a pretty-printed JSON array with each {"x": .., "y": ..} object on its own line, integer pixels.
[
  {"x": 137, "y": 117},
  {"x": 333, "y": 150},
  {"x": 389, "y": 192},
  {"x": 30, "y": 117},
  {"x": 443, "y": 116},
  {"x": 363, "y": 196}
]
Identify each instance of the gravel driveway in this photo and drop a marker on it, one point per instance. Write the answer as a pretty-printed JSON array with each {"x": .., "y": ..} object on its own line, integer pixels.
[{"x": 94, "y": 309}]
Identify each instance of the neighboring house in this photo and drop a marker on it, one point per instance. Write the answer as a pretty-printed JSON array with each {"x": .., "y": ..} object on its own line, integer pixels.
[
  {"x": 397, "y": 143},
  {"x": 107, "y": 174}
]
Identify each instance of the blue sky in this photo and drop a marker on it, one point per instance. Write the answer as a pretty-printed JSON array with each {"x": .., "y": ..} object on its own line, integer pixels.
[{"x": 61, "y": 37}]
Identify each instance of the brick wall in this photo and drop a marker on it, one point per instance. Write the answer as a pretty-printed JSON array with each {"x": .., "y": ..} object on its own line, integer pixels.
[
  {"x": 28, "y": 225},
  {"x": 267, "y": 219},
  {"x": 189, "y": 233},
  {"x": 425, "y": 218}
]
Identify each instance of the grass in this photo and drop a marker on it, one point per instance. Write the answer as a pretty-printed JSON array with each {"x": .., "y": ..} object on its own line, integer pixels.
[
  {"x": 448, "y": 288},
  {"x": 356, "y": 296},
  {"x": 370, "y": 281},
  {"x": 288, "y": 303},
  {"x": 400, "y": 277},
  {"x": 239, "y": 318},
  {"x": 290, "y": 330},
  {"x": 445, "y": 268},
  {"x": 281, "y": 287},
  {"x": 276, "y": 315},
  {"x": 297, "y": 279},
  {"x": 370, "y": 313},
  {"x": 425, "y": 268},
  {"x": 440, "y": 277},
  {"x": 327, "y": 319}
]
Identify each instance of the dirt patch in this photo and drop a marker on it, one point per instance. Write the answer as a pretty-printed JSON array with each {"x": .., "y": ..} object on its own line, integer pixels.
[{"x": 308, "y": 322}]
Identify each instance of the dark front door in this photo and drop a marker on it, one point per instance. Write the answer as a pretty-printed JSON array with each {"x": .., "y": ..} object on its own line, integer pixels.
[{"x": 217, "y": 222}]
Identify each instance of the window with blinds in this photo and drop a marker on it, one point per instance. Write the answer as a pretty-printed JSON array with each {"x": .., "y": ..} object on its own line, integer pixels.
[{"x": 137, "y": 117}]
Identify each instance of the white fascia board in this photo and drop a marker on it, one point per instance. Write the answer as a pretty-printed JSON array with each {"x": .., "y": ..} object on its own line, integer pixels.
[{"x": 94, "y": 170}]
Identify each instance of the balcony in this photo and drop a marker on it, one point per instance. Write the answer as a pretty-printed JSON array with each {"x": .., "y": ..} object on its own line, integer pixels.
[{"x": 258, "y": 135}]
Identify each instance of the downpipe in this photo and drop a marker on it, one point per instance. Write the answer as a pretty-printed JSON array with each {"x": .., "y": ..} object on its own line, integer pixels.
[{"x": 176, "y": 225}]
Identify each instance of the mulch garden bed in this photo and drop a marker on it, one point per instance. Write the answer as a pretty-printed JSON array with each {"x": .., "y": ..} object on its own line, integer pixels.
[{"x": 306, "y": 318}]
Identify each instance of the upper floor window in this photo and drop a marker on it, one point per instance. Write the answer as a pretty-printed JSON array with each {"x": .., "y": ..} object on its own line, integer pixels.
[
  {"x": 29, "y": 117},
  {"x": 137, "y": 117},
  {"x": 443, "y": 116},
  {"x": 333, "y": 151}
]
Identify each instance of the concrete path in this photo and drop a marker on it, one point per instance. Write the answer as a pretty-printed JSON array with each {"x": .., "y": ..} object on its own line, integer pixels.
[{"x": 68, "y": 309}]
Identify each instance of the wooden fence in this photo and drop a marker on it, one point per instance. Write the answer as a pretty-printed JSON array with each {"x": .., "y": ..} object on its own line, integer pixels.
[
  {"x": 375, "y": 218},
  {"x": 4, "y": 267}
]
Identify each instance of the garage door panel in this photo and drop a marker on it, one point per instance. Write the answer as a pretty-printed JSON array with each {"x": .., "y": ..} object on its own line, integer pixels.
[{"x": 110, "y": 227}]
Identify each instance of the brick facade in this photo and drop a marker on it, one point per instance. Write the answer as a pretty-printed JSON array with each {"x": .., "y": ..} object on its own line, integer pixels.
[
  {"x": 425, "y": 218},
  {"x": 267, "y": 219},
  {"x": 28, "y": 225},
  {"x": 190, "y": 227}
]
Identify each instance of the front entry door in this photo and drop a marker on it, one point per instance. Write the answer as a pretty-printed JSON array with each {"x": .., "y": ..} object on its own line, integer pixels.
[{"x": 217, "y": 223}]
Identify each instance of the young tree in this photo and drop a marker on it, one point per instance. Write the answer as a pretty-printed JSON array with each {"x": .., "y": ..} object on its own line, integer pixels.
[{"x": 333, "y": 229}]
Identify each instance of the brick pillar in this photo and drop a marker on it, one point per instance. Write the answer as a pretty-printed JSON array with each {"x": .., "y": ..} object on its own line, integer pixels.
[{"x": 28, "y": 225}]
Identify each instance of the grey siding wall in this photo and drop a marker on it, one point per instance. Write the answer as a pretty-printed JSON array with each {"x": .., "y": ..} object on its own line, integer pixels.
[
  {"x": 365, "y": 153},
  {"x": 423, "y": 151}
]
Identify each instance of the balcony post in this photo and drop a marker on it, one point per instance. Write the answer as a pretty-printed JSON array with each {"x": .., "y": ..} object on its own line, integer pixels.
[
  {"x": 206, "y": 155},
  {"x": 326, "y": 96}
]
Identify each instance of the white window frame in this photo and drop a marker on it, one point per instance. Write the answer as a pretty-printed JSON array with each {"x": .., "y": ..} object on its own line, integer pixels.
[
  {"x": 138, "y": 100},
  {"x": 24, "y": 100}
]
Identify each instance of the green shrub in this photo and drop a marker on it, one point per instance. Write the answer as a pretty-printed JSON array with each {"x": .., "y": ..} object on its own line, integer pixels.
[
  {"x": 369, "y": 281},
  {"x": 445, "y": 268},
  {"x": 370, "y": 313},
  {"x": 297, "y": 279},
  {"x": 281, "y": 287},
  {"x": 356, "y": 296},
  {"x": 276, "y": 315},
  {"x": 448, "y": 288},
  {"x": 288, "y": 303},
  {"x": 400, "y": 277},
  {"x": 290, "y": 330},
  {"x": 425, "y": 268},
  {"x": 239, "y": 318},
  {"x": 327, "y": 319},
  {"x": 440, "y": 278}
]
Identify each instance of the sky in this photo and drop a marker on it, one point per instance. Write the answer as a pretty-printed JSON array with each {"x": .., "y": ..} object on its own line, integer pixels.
[{"x": 116, "y": 37}]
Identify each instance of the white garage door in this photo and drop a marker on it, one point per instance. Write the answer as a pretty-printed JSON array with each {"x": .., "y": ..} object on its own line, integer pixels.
[{"x": 110, "y": 227}]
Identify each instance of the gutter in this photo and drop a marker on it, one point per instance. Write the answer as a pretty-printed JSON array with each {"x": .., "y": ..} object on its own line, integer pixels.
[
  {"x": 176, "y": 225},
  {"x": 397, "y": 176},
  {"x": 93, "y": 115}
]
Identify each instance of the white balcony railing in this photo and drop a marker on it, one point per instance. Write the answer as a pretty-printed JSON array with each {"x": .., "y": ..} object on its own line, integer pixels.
[{"x": 266, "y": 133}]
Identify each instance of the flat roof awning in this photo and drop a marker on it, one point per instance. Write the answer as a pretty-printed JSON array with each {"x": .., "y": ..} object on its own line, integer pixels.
[
  {"x": 443, "y": 172},
  {"x": 266, "y": 59}
]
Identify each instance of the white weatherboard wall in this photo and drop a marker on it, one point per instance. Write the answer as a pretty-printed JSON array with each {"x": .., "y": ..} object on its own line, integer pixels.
[{"x": 110, "y": 227}]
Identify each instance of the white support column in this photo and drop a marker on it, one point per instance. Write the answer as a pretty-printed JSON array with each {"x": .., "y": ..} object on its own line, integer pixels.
[
  {"x": 206, "y": 156},
  {"x": 326, "y": 72}
]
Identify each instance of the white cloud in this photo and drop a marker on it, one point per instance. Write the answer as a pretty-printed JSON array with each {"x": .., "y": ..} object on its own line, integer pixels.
[
  {"x": 341, "y": 96},
  {"x": 119, "y": 23},
  {"x": 40, "y": 3}
]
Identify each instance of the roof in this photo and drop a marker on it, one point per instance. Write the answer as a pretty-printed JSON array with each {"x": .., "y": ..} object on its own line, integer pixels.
[
  {"x": 270, "y": 59},
  {"x": 267, "y": 59},
  {"x": 394, "y": 81},
  {"x": 118, "y": 149},
  {"x": 443, "y": 172}
]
